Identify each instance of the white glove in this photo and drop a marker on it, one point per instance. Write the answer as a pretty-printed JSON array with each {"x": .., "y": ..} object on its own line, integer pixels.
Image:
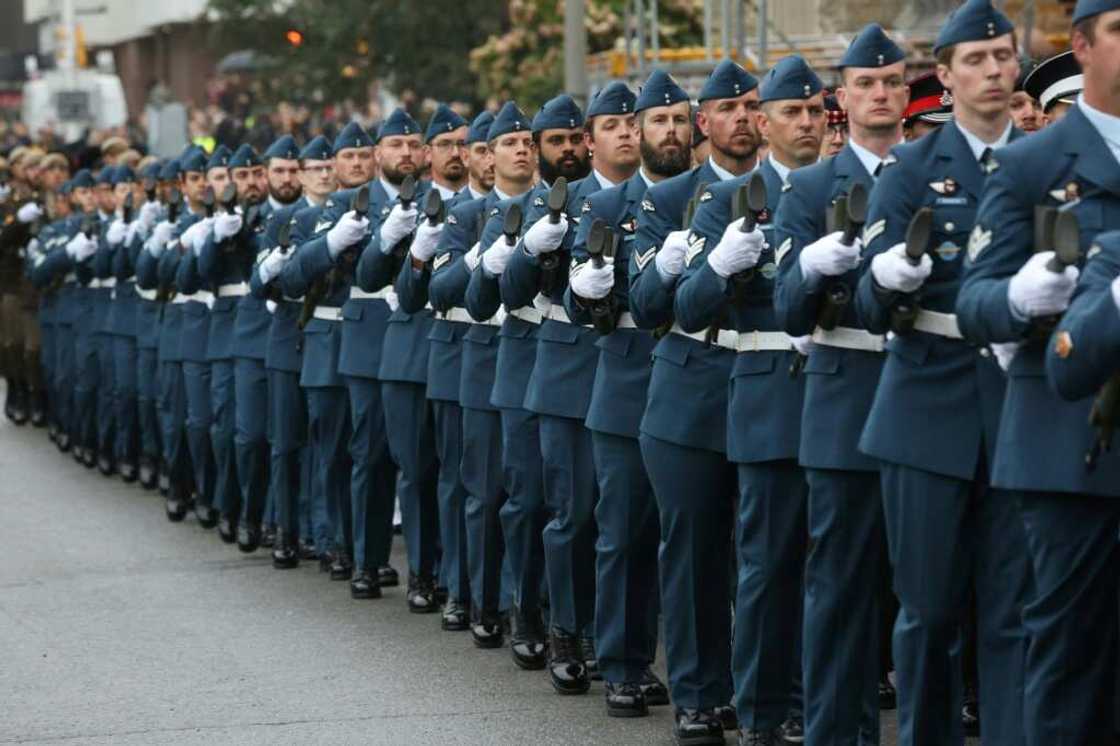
[
  {"x": 736, "y": 251},
  {"x": 1116, "y": 292},
  {"x": 397, "y": 225},
  {"x": 804, "y": 344},
  {"x": 227, "y": 225},
  {"x": 29, "y": 213},
  {"x": 893, "y": 271},
  {"x": 591, "y": 282},
  {"x": 81, "y": 248},
  {"x": 426, "y": 240},
  {"x": 1036, "y": 291},
  {"x": 828, "y": 257},
  {"x": 161, "y": 234},
  {"x": 273, "y": 264},
  {"x": 472, "y": 257},
  {"x": 346, "y": 232},
  {"x": 33, "y": 247},
  {"x": 545, "y": 236},
  {"x": 133, "y": 231},
  {"x": 495, "y": 259},
  {"x": 393, "y": 300},
  {"x": 116, "y": 233},
  {"x": 194, "y": 236},
  {"x": 149, "y": 213},
  {"x": 670, "y": 257},
  {"x": 1005, "y": 353}
]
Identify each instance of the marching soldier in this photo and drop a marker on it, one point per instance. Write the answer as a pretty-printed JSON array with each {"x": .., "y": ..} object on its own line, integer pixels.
[
  {"x": 626, "y": 601},
  {"x": 683, "y": 437},
  {"x": 1046, "y": 451},
  {"x": 948, "y": 527},
  {"x": 113, "y": 183},
  {"x": 845, "y": 514}
]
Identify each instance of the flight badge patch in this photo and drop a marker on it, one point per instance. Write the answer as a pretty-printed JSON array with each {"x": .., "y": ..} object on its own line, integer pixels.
[
  {"x": 641, "y": 260},
  {"x": 630, "y": 225},
  {"x": 440, "y": 260},
  {"x": 647, "y": 206},
  {"x": 978, "y": 241},
  {"x": 947, "y": 251},
  {"x": 948, "y": 186},
  {"x": 874, "y": 230},
  {"x": 1063, "y": 344}
]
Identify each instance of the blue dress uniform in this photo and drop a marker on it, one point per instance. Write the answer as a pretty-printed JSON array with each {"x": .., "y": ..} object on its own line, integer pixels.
[
  {"x": 101, "y": 287},
  {"x": 683, "y": 437},
  {"x": 39, "y": 376},
  {"x": 763, "y": 435},
  {"x": 442, "y": 285},
  {"x": 402, "y": 371},
  {"x": 558, "y": 392},
  {"x": 626, "y": 592},
  {"x": 147, "y": 323},
  {"x": 845, "y": 513},
  {"x": 933, "y": 426},
  {"x": 121, "y": 325},
  {"x": 47, "y": 273},
  {"x": 1069, "y": 512},
  {"x": 214, "y": 478},
  {"x": 85, "y": 356}
]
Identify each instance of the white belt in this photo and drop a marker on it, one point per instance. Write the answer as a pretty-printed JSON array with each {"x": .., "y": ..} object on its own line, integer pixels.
[
  {"x": 131, "y": 278},
  {"x": 108, "y": 282},
  {"x": 457, "y": 314},
  {"x": 754, "y": 341},
  {"x": 356, "y": 293},
  {"x": 935, "y": 322},
  {"x": 70, "y": 277},
  {"x": 94, "y": 284},
  {"x": 625, "y": 321},
  {"x": 527, "y": 313},
  {"x": 848, "y": 338},
  {"x": 233, "y": 290},
  {"x": 328, "y": 313},
  {"x": 179, "y": 299},
  {"x": 202, "y": 296},
  {"x": 146, "y": 294},
  {"x": 558, "y": 313}
]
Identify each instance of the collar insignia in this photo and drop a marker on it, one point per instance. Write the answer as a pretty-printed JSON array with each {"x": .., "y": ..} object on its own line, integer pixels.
[{"x": 647, "y": 206}]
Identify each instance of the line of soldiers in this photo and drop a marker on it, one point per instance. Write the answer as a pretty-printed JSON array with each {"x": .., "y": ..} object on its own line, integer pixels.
[{"x": 608, "y": 386}]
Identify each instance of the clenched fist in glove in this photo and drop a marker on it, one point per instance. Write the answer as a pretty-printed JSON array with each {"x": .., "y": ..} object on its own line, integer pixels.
[
  {"x": 348, "y": 231},
  {"x": 829, "y": 257},
  {"x": 736, "y": 251},
  {"x": 81, "y": 248},
  {"x": 226, "y": 226},
  {"x": 426, "y": 240},
  {"x": 149, "y": 213},
  {"x": 670, "y": 257},
  {"x": 161, "y": 234},
  {"x": 545, "y": 236},
  {"x": 400, "y": 222},
  {"x": 472, "y": 257},
  {"x": 29, "y": 213},
  {"x": 194, "y": 238},
  {"x": 495, "y": 259},
  {"x": 273, "y": 264},
  {"x": 1036, "y": 291},
  {"x": 591, "y": 282},
  {"x": 116, "y": 233},
  {"x": 893, "y": 270}
]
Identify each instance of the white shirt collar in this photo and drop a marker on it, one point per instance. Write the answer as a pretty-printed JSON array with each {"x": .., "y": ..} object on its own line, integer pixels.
[
  {"x": 275, "y": 203},
  {"x": 870, "y": 161},
  {"x": 475, "y": 194},
  {"x": 391, "y": 190},
  {"x": 445, "y": 193},
  {"x": 649, "y": 182},
  {"x": 1107, "y": 125},
  {"x": 721, "y": 172},
  {"x": 978, "y": 146},
  {"x": 604, "y": 182},
  {"x": 500, "y": 194},
  {"x": 782, "y": 169},
  {"x": 103, "y": 217}
]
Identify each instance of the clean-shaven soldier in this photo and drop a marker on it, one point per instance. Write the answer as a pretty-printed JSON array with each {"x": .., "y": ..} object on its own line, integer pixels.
[
  {"x": 683, "y": 436},
  {"x": 936, "y": 414},
  {"x": 1070, "y": 512},
  {"x": 626, "y": 592},
  {"x": 102, "y": 283},
  {"x": 845, "y": 515},
  {"x": 725, "y": 297},
  {"x": 290, "y": 458}
]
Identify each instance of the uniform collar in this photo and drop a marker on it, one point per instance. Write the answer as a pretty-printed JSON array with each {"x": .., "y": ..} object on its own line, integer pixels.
[
  {"x": 978, "y": 146},
  {"x": 500, "y": 194},
  {"x": 445, "y": 193},
  {"x": 642, "y": 172},
  {"x": 779, "y": 168},
  {"x": 869, "y": 160},
  {"x": 1107, "y": 125},
  {"x": 604, "y": 182},
  {"x": 275, "y": 204},
  {"x": 475, "y": 194},
  {"x": 722, "y": 173},
  {"x": 390, "y": 190}
]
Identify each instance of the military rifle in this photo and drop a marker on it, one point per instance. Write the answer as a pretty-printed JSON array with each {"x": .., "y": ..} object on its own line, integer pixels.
[
  {"x": 1064, "y": 235},
  {"x": 750, "y": 202},
  {"x": 905, "y": 311},
  {"x": 600, "y": 247},
  {"x": 150, "y": 189},
  {"x": 326, "y": 285},
  {"x": 126, "y": 209},
  {"x": 550, "y": 262},
  {"x": 848, "y": 215}
]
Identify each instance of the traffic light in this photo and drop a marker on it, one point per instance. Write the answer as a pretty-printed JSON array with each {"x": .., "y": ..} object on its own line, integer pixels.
[{"x": 294, "y": 37}]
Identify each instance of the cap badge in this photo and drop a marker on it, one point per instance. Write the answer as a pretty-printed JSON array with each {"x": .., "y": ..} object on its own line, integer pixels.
[
  {"x": 946, "y": 99},
  {"x": 808, "y": 90}
]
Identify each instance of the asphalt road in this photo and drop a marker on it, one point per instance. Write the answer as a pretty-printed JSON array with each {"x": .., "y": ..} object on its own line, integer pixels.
[{"x": 119, "y": 627}]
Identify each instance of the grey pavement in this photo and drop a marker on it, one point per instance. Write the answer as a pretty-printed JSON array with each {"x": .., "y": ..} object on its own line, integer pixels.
[{"x": 119, "y": 627}]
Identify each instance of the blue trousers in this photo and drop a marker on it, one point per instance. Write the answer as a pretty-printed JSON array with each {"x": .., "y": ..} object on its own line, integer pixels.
[
  {"x": 173, "y": 420},
  {"x": 63, "y": 378},
  {"x": 196, "y": 379},
  {"x": 147, "y": 396},
  {"x": 946, "y": 535},
  {"x": 627, "y": 597},
  {"x": 47, "y": 341},
  {"x": 481, "y": 471},
  {"x": 223, "y": 429},
  {"x": 695, "y": 490},
  {"x": 106, "y": 392},
  {"x": 290, "y": 463},
  {"x": 569, "y": 538},
  {"x": 840, "y": 659},
  {"x": 250, "y": 437},
  {"x": 373, "y": 478},
  {"x": 85, "y": 390},
  {"x": 124, "y": 396},
  {"x": 329, "y": 433},
  {"x": 454, "y": 565},
  {"x": 524, "y": 514},
  {"x": 1071, "y": 620},
  {"x": 771, "y": 538},
  {"x": 408, "y": 420}
]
